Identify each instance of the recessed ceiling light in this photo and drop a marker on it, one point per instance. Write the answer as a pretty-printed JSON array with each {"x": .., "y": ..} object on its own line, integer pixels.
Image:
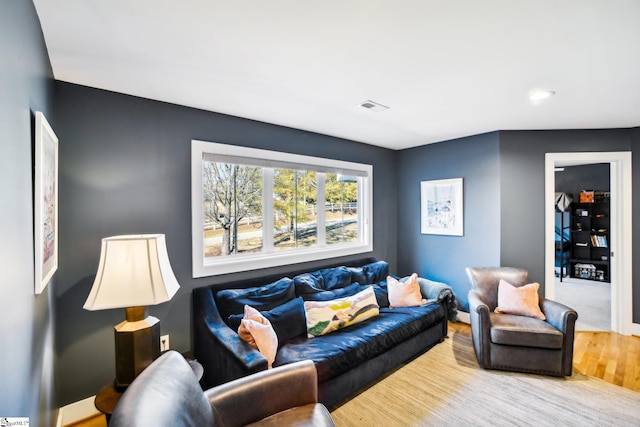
[
  {"x": 539, "y": 95},
  {"x": 373, "y": 106}
]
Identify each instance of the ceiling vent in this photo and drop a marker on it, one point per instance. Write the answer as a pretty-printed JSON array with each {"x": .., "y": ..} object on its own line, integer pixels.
[{"x": 374, "y": 106}]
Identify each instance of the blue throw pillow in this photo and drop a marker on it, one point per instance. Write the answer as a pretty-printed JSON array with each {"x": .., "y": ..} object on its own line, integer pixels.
[
  {"x": 382, "y": 293},
  {"x": 288, "y": 320},
  {"x": 232, "y": 301}
]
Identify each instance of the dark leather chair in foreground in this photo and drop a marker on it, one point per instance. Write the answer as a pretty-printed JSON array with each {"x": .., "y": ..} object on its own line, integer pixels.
[
  {"x": 167, "y": 393},
  {"x": 518, "y": 343}
]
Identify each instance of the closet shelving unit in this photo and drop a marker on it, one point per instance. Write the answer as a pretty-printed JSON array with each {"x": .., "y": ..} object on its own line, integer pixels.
[{"x": 590, "y": 241}]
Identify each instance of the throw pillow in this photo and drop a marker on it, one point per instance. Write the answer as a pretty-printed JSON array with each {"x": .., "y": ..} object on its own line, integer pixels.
[
  {"x": 324, "y": 317},
  {"x": 288, "y": 320},
  {"x": 405, "y": 294},
  {"x": 521, "y": 300},
  {"x": 382, "y": 293},
  {"x": 256, "y": 330}
]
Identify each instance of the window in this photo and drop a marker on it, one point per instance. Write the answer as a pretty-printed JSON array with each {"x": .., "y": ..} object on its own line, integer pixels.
[{"x": 255, "y": 208}]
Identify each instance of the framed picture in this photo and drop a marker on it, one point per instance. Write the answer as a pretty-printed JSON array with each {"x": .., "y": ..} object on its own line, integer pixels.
[
  {"x": 441, "y": 205},
  {"x": 45, "y": 203}
]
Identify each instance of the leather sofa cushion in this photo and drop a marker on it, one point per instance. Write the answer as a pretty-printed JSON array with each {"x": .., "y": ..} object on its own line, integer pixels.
[
  {"x": 337, "y": 277},
  {"x": 262, "y": 298},
  {"x": 347, "y": 291},
  {"x": 307, "y": 415},
  {"x": 308, "y": 283},
  {"x": 357, "y": 275},
  {"x": 511, "y": 329},
  {"x": 375, "y": 272},
  {"x": 340, "y": 282},
  {"x": 342, "y": 350},
  {"x": 327, "y": 279}
]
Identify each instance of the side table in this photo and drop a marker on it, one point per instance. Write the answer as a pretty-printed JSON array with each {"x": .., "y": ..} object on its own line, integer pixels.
[{"x": 109, "y": 395}]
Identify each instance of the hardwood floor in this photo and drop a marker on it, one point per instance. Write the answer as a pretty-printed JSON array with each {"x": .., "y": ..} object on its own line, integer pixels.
[
  {"x": 606, "y": 355},
  {"x": 609, "y": 356}
]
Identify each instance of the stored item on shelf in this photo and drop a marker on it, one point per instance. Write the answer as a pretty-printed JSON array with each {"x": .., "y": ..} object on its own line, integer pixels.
[
  {"x": 602, "y": 196},
  {"x": 582, "y": 212},
  {"x": 587, "y": 196},
  {"x": 585, "y": 271}
]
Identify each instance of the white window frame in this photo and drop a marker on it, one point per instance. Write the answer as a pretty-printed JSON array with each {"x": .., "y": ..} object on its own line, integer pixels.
[{"x": 254, "y": 261}]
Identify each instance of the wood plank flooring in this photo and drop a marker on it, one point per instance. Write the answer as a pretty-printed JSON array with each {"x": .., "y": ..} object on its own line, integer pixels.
[
  {"x": 606, "y": 355},
  {"x": 609, "y": 356}
]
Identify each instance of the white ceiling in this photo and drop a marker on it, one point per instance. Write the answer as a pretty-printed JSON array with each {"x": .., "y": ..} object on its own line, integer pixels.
[{"x": 446, "y": 69}]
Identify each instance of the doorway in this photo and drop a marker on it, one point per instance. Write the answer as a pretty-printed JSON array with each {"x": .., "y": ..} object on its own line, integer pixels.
[
  {"x": 620, "y": 176},
  {"x": 577, "y": 285}
]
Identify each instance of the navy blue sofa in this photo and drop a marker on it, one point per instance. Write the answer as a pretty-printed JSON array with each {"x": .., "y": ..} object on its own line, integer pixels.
[{"x": 346, "y": 360}]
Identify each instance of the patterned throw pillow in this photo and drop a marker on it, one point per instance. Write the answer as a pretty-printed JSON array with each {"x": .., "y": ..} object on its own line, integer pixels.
[
  {"x": 404, "y": 294},
  {"x": 324, "y": 317},
  {"x": 256, "y": 330},
  {"x": 522, "y": 300}
]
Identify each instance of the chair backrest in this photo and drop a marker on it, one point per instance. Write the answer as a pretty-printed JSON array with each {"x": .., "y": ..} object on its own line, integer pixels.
[
  {"x": 485, "y": 281},
  {"x": 166, "y": 393}
]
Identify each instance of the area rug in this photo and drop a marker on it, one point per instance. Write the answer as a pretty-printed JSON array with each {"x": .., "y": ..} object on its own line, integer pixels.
[{"x": 445, "y": 387}]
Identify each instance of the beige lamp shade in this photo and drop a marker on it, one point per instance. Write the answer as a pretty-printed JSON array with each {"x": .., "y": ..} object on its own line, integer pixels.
[{"x": 134, "y": 270}]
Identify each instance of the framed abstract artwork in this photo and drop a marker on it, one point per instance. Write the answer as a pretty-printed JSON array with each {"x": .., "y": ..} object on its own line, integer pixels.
[
  {"x": 442, "y": 207},
  {"x": 45, "y": 203}
]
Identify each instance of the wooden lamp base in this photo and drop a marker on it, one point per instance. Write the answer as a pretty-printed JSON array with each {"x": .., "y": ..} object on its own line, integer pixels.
[{"x": 137, "y": 343}]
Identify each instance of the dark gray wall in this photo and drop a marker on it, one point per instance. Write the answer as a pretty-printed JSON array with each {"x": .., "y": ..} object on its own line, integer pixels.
[
  {"x": 125, "y": 168},
  {"x": 506, "y": 170},
  {"x": 26, "y": 329},
  {"x": 574, "y": 179},
  {"x": 444, "y": 258},
  {"x": 522, "y": 156}
]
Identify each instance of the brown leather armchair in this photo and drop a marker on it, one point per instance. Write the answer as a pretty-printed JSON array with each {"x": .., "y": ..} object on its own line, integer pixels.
[
  {"x": 167, "y": 393},
  {"x": 518, "y": 343}
]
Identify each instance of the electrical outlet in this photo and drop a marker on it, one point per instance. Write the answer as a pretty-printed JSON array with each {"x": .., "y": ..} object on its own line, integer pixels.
[{"x": 164, "y": 343}]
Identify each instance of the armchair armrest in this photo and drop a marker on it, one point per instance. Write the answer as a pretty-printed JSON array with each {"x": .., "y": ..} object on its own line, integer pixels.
[
  {"x": 223, "y": 355},
  {"x": 478, "y": 308},
  {"x": 480, "y": 327},
  {"x": 564, "y": 319},
  {"x": 558, "y": 315},
  {"x": 258, "y": 396}
]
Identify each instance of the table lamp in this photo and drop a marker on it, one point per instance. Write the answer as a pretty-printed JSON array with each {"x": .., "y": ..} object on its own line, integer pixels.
[{"x": 134, "y": 272}]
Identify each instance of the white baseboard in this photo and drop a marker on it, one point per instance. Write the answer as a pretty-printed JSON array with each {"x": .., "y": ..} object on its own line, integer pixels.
[
  {"x": 635, "y": 329},
  {"x": 77, "y": 411},
  {"x": 464, "y": 317}
]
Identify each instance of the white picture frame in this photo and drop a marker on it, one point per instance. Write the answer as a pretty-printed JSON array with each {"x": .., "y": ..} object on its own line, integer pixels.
[
  {"x": 45, "y": 203},
  {"x": 442, "y": 210}
]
